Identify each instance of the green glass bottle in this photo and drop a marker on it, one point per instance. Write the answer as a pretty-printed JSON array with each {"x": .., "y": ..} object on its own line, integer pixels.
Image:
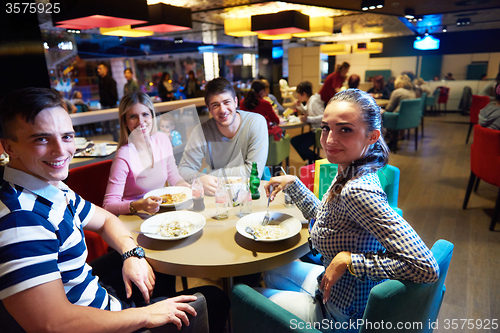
[{"x": 254, "y": 182}]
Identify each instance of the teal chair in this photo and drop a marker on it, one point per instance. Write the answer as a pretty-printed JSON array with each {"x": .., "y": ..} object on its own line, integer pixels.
[
  {"x": 408, "y": 117},
  {"x": 432, "y": 100},
  {"x": 424, "y": 102},
  {"x": 388, "y": 176},
  {"x": 392, "y": 301}
]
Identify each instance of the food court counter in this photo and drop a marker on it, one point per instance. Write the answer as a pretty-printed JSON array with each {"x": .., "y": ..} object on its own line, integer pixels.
[{"x": 111, "y": 114}]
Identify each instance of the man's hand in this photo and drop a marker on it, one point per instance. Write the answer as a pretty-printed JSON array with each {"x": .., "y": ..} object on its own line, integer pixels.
[
  {"x": 334, "y": 272},
  {"x": 172, "y": 310},
  {"x": 141, "y": 274},
  {"x": 303, "y": 118},
  {"x": 209, "y": 184}
]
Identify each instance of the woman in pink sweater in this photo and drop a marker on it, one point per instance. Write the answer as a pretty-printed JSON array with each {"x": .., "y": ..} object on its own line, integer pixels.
[{"x": 144, "y": 160}]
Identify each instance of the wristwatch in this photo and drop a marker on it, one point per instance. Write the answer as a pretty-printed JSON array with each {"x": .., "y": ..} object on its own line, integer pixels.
[
  {"x": 131, "y": 208},
  {"x": 135, "y": 252}
]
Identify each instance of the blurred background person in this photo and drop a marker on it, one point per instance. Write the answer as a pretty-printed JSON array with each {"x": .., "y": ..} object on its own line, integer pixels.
[
  {"x": 379, "y": 90},
  {"x": 192, "y": 87},
  {"x": 353, "y": 81},
  {"x": 489, "y": 89},
  {"x": 131, "y": 85},
  {"x": 312, "y": 114},
  {"x": 333, "y": 82},
  {"x": 165, "y": 88},
  {"x": 272, "y": 99},
  {"x": 254, "y": 102},
  {"x": 404, "y": 90},
  {"x": 108, "y": 95}
]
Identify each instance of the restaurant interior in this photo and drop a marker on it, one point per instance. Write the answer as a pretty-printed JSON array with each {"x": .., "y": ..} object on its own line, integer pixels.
[{"x": 216, "y": 38}]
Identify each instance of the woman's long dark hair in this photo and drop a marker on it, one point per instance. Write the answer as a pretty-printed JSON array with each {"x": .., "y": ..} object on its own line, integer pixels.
[
  {"x": 377, "y": 155},
  {"x": 252, "y": 98}
]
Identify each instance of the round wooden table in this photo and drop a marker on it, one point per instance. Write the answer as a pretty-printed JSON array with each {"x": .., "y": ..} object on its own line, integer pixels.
[{"x": 218, "y": 250}]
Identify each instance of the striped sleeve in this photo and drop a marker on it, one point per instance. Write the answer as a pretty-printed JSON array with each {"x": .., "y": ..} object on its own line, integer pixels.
[{"x": 28, "y": 252}]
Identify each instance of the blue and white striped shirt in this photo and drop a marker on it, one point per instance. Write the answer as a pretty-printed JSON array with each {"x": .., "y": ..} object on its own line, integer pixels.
[
  {"x": 41, "y": 239},
  {"x": 382, "y": 244}
]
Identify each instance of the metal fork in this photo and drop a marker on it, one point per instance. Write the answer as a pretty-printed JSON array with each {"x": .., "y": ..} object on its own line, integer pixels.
[{"x": 266, "y": 219}]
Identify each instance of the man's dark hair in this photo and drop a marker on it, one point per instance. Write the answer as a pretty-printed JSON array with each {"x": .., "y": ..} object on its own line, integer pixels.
[
  {"x": 27, "y": 103},
  {"x": 128, "y": 69},
  {"x": 305, "y": 87},
  {"x": 218, "y": 86}
]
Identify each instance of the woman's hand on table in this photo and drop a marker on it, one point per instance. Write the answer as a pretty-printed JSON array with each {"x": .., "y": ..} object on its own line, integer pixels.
[
  {"x": 303, "y": 118},
  {"x": 150, "y": 205},
  {"x": 334, "y": 272},
  {"x": 278, "y": 183}
]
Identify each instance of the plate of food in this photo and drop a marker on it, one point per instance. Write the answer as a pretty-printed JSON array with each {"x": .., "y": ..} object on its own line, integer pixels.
[
  {"x": 281, "y": 226},
  {"x": 233, "y": 180},
  {"x": 172, "y": 195},
  {"x": 173, "y": 225}
]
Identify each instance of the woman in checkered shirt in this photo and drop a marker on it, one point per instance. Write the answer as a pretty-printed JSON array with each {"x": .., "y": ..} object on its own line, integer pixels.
[{"x": 361, "y": 239}]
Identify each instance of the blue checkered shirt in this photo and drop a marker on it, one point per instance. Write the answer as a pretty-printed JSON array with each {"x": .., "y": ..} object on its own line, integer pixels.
[{"x": 382, "y": 244}]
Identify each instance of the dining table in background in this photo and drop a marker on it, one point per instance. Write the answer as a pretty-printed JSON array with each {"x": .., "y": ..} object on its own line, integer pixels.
[
  {"x": 381, "y": 102},
  {"x": 218, "y": 250}
]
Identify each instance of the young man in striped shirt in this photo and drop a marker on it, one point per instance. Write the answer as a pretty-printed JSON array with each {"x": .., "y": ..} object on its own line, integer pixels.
[{"x": 45, "y": 283}]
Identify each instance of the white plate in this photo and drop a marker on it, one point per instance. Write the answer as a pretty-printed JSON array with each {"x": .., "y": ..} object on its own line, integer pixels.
[
  {"x": 291, "y": 224},
  {"x": 170, "y": 190},
  {"x": 150, "y": 226}
]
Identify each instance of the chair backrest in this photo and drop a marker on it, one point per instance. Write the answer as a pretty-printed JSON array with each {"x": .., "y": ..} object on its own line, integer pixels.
[
  {"x": 444, "y": 92},
  {"x": 278, "y": 150},
  {"x": 424, "y": 101},
  {"x": 388, "y": 176},
  {"x": 283, "y": 84},
  {"x": 415, "y": 305},
  {"x": 81, "y": 108},
  {"x": 90, "y": 181},
  {"x": 410, "y": 113},
  {"x": 478, "y": 102},
  {"x": 485, "y": 154}
]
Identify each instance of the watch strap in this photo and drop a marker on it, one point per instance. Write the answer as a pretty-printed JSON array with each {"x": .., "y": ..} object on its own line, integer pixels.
[{"x": 137, "y": 252}]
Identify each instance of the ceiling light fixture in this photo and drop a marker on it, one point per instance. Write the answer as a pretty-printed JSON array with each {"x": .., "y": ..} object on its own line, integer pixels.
[
  {"x": 373, "y": 47},
  {"x": 318, "y": 26},
  {"x": 335, "y": 49},
  {"x": 91, "y": 14},
  {"x": 286, "y": 22},
  {"x": 239, "y": 27},
  {"x": 124, "y": 31},
  {"x": 166, "y": 18},
  {"x": 274, "y": 37},
  {"x": 463, "y": 21},
  {"x": 409, "y": 13},
  {"x": 372, "y": 4}
]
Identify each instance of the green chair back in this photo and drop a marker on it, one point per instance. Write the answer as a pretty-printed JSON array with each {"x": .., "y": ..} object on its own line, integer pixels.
[
  {"x": 424, "y": 102},
  {"x": 394, "y": 302},
  {"x": 410, "y": 114},
  {"x": 388, "y": 177},
  {"x": 278, "y": 150}
]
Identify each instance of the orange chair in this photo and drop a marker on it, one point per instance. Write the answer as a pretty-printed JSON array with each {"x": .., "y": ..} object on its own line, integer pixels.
[
  {"x": 478, "y": 102},
  {"x": 484, "y": 164},
  {"x": 90, "y": 182}
]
